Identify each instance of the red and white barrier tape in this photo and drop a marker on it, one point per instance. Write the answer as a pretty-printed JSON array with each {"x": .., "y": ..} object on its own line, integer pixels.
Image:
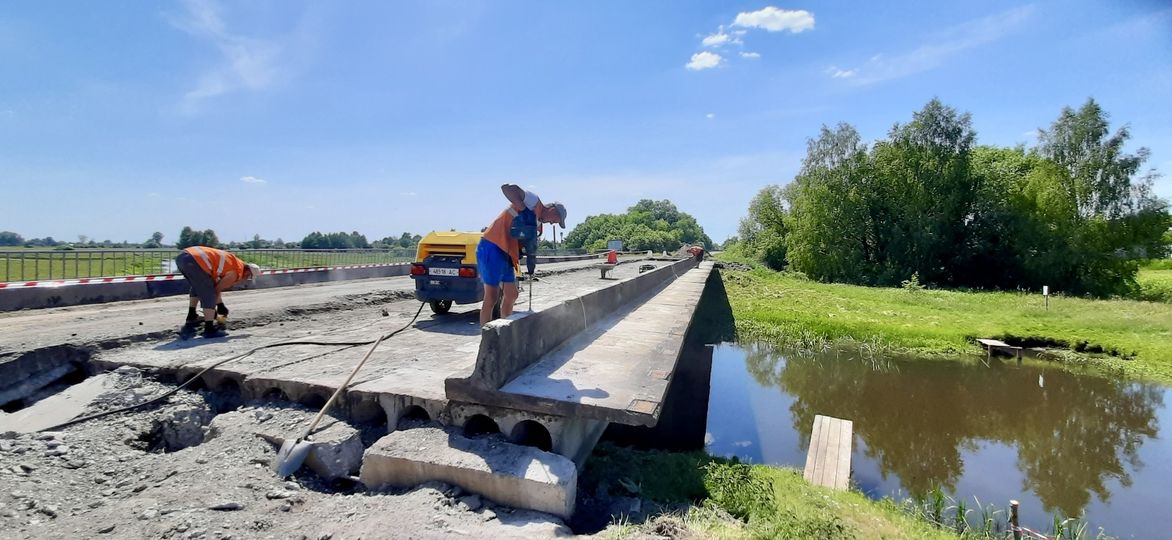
[{"x": 169, "y": 277}]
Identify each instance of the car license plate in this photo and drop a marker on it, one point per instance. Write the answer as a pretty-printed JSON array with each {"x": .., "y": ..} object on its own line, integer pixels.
[{"x": 444, "y": 271}]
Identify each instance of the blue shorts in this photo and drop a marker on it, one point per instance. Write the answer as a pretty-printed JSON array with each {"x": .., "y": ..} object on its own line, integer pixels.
[{"x": 494, "y": 265}]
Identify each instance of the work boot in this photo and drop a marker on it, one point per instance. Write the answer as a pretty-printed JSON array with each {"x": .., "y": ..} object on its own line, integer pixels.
[
  {"x": 213, "y": 330},
  {"x": 189, "y": 329},
  {"x": 192, "y": 318}
]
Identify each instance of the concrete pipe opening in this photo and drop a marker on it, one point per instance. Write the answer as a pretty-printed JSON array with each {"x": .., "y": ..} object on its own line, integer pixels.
[
  {"x": 313, "y": 400},
  {"x": 531, "y": 433},
  {"x": 274, "y": 394},
  {"x": 479, "y": 425},
  {"x": 368, "y": 412},
  {"x": 413, "y": 416},
  {"x": 195, "y": 385},
  {"x": 227, "y": 396}
]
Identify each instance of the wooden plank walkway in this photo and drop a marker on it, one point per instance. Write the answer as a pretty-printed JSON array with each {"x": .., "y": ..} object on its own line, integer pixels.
[
  {"x": 1000, "y": 346},
  {"x": 828, "y": 462}
]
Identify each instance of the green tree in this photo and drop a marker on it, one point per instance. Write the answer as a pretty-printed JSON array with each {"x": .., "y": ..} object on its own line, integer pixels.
[
  {"x": 189, "y": 237},
  {"x": 209, "y": 239},
  {"x": 9, "y": 238},
  {"x": 155, "y": 241},
  {"x": 1096, "y": 195},
  {"x": 648, "y": 225},
  {"x": 763, "y": 230},
  {"x": 837, "y": 210}
]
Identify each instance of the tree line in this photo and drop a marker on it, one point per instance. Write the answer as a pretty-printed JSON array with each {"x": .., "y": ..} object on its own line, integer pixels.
[
  {"x": 192, "y": 237},
  {"x": 648, "y": 225},
  {"x": 12, "y": 239},
  {"x": 1074, "y": 212},
  {"x": 314, "y": 240}
]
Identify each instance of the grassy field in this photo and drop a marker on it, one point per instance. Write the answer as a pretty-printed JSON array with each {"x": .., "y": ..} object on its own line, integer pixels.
[
  {"x": 1131, "y": 338},
  {"x": 707, "y": 497},
  {"x": 21, "y": 264}
]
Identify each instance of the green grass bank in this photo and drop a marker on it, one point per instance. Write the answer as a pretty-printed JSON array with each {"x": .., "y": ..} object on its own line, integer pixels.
[
  {"x": 1131, "y": 338},
  {"x": 710, "y": 497}
]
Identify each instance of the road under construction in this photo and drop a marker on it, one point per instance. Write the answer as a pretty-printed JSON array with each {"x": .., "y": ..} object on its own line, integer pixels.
[{"x": 587, "y": 353}]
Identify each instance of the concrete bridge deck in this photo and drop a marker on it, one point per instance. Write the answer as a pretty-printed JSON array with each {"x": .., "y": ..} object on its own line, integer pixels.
[
  {"x": 632, "y": 315},
  {"x": 586, "y": 353}
]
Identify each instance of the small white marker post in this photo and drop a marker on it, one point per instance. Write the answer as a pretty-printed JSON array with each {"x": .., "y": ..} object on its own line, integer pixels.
[{"x": 1046, "y": 293}]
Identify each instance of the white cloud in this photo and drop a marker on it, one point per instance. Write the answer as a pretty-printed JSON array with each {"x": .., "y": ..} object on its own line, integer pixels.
[
  {"x": 407, "y": 193},
  {"x": 841, "y": 73},
  {"x": 704, "y": 60},
  {"x": 944, "y": 45},
  {"x": 776, "y": 20},
  {"x": 713, "y": 40},
  {"x": 710, "y": 116},
  {"x": 750, "y": 55},
  {"x": 247, "y": 63},
  {"x": 252, "y": 180}
]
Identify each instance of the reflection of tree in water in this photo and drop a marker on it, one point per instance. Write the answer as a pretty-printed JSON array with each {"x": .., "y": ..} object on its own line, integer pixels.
[{"x": 1072, "y": 436}]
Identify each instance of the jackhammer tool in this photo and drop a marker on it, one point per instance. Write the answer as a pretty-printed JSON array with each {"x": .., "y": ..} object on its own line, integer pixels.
[{"x": 524, "y": 229}]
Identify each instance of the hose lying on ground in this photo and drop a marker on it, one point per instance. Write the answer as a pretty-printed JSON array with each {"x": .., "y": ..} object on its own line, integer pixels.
[{"x": 193, "y": 378}]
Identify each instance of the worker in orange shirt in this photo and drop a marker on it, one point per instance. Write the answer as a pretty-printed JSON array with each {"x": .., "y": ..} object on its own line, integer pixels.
[
  {"x": 498, "y": 253},
  {"x": 697, "y": 252},
  {"x": 210, "y": 272}
]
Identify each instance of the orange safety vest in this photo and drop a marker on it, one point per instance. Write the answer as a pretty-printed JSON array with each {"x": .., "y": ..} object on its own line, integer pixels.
[{"x": 217, "y": 262}]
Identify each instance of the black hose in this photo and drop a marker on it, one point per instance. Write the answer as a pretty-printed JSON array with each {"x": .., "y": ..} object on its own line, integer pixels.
[{"x": 169, "y": 393}]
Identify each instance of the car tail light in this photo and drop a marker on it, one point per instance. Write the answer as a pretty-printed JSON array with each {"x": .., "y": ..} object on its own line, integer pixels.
[
  {"x": 467, "y": 271},
  {"x": 418, "y": 270}
]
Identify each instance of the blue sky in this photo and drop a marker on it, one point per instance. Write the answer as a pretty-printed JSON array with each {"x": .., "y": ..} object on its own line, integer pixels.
[{"x": 282, "y": 117}]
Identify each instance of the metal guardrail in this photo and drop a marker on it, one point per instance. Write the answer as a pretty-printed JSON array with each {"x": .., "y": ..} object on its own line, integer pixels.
[
  {"x": 50, "y": 264},
  {"x": 18, "y": 265}
]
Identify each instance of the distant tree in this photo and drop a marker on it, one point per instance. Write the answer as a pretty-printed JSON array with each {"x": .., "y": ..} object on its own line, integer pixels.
[
  {"x": 9, "y": 238},
  {"x": 1075, "y": 213},
  {"x": 648, "y": 225},
  {"x": 190, "y": 237},
  {"x": 405, "y": 240},
  {"x": 47, "y": 241},
  {"x": 763, "y": 230},
  {"x": 210, "y": 239},
  {"x": 338, "y": 240},
  {"x": 187, "y": 238},
  {"x": 82, "y": 239},
  {"x": 358, "y": 240}
]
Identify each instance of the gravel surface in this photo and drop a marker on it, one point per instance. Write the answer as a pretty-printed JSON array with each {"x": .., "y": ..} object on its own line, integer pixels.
[{"x": 160, "y": 472}]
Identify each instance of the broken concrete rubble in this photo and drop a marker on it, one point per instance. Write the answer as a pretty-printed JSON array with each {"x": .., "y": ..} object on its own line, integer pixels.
[
  {"x": 336, "y": 446},
  {"x": 519, "y": 476}
]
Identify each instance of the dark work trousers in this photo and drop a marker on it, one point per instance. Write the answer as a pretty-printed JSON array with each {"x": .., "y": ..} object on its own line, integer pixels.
[{"x": 202, "y": 286}]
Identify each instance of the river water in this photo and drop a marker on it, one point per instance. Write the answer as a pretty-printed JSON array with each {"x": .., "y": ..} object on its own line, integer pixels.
[{"x": 1057, "y": 441}]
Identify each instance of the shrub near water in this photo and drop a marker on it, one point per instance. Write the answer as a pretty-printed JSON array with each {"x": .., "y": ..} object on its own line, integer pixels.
[{"x": 788, "y": 310}]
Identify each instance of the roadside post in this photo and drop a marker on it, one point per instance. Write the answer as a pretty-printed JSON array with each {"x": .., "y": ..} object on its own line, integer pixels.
[
  {"x": 1013, "y": 521},
  {"x": 1046, "y": 294}
]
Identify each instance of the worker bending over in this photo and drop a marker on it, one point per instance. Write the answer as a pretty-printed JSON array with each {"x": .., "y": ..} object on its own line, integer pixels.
[
  {"x": 498, "y": 253},
  {"x": 697, "y": 253},
  {"x": 210, "y": 272}
]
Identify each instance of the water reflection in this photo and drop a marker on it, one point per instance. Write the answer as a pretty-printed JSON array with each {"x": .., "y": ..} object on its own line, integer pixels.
[{"x": 1074, "y": 437}]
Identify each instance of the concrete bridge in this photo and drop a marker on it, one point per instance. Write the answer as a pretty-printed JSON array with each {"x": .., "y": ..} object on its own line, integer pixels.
[{"x": 588, "y": 353}]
